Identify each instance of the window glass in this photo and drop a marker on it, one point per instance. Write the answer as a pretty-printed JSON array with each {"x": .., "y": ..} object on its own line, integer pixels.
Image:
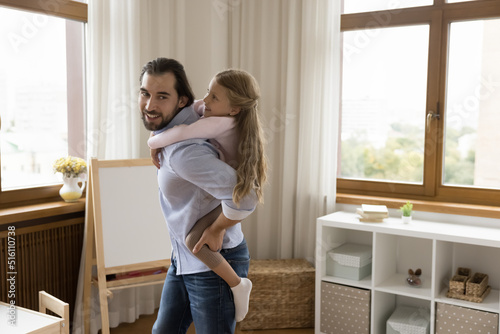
[
  {"x": 472, "y": 138},
  {"x": 384, "y": 78},
  {"x": 33, "y": 97},
  {"x": 361, "y": 6}
]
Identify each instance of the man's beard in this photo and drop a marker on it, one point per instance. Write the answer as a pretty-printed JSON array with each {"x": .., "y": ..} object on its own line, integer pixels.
[{"x": 154, "y": 126}]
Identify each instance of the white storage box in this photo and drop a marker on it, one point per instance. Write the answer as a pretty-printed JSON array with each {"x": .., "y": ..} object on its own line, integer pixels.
[
  {"x": 351, "y": 261},
  {"x": 409, "y": 320}
]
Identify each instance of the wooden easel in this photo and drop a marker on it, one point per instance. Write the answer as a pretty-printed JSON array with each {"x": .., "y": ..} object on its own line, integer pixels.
[{"x": 97, "y": 232}]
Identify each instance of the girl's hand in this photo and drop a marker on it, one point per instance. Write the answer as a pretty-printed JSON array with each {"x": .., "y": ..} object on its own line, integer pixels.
[
  {"x": 155, "y": 153},
  {"x": 155, "y": 156},
  {"x": 199, "y": 107}
]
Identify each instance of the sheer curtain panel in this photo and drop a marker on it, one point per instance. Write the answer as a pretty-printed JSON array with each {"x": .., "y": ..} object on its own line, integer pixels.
[
  {"x": 293, "y": 49},
  {"x": 123, "y": 35}
]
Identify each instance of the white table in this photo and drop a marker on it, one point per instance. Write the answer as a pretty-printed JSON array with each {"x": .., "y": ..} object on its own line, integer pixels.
[{"x": 28, "y": 321}]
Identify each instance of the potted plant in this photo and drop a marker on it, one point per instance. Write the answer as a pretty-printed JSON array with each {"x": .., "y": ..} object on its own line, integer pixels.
[{"x": 406, "y": 211}]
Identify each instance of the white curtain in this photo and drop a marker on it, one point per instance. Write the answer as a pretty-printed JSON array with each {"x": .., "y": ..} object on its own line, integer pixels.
[
  {"x": 293, "y": 49},
  {"x": 122, "y": 36},
  {"x": 319, "y": 130}
]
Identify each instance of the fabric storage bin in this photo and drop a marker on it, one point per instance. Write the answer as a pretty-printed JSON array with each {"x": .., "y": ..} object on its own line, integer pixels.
[
  {"x": 409, "y": 320},
  {"x": 344, "y": 309},
  {"x": 351, "y": 261},
  {"x": 457, "y": 319},
  {"x": 282, "y": 295}
]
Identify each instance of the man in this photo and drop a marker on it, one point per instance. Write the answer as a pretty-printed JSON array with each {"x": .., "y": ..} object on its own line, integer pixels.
[{"x": 193, "y": 182}]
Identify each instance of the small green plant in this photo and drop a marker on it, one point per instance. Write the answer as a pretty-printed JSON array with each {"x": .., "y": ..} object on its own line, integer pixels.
[{"x": 406, "y": 209}]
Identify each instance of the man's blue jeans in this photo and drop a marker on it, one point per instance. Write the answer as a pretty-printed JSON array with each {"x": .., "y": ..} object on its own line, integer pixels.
[{"x": 203, "y": 298}]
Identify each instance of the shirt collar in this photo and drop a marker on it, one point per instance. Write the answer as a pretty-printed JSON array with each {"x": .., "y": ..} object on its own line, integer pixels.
[{"x": 186, "y": 116}]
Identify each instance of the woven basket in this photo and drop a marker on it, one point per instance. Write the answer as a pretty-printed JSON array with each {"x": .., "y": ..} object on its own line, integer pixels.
[
  {"x": 282, "y": 295},
  {"x": 457, "y": 284},
  {"x": 470, "y": 298},
  {"x": 463, "y": 271},
  {"x": 476, "y": 285}
]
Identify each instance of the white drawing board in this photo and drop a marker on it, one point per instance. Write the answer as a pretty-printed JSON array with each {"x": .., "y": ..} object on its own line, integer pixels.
[
  {"x": 125, "y": 231},
  {"x": 133, "y": 227}
]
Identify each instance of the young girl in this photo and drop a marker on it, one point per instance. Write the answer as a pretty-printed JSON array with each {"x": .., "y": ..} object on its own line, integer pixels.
[{"x": 231, "y": 123}]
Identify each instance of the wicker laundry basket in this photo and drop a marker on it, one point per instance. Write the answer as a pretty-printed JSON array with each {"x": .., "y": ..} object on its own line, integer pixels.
[{"x": 282, "y": 295}]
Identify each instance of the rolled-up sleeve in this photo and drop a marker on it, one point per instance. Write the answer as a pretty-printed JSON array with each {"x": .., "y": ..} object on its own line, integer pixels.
[
  {"x": 235, "y": 214},
  {"x": 198, "y": 163}
]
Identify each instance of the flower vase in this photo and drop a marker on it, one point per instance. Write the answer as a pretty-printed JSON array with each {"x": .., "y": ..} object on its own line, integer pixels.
[{"x": 71, "y": 191}]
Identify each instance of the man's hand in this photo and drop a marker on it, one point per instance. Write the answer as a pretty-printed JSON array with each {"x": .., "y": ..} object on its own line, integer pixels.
[
  {"x": 212, "y": 237},
  {"x": 214, "y": 234}
]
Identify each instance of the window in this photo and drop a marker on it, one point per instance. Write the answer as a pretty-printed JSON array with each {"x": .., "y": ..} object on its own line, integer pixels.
[
  {"x": 420, "y": 99},
  {"x": 472, "y": 105},
  {"x": 381, "y": 113},
  {"x": 41, "y": 94}
]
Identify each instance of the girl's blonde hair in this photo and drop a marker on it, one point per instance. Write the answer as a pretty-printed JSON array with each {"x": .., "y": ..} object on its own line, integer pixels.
[{"x": 243, "y": 91}]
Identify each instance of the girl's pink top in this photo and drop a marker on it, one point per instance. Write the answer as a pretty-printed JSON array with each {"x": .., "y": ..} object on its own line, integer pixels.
[{"x": 220, "y": 131}]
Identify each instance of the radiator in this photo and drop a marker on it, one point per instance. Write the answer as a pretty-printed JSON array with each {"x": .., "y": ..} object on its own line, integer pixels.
[{"x": 47, "y": 257}]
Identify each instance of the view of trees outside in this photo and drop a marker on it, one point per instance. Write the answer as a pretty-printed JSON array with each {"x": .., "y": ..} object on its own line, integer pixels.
[
  {"x": 383, "y": 105},
  {"x": 400, "y": 159},
  {"x": 384, "y": 82}
]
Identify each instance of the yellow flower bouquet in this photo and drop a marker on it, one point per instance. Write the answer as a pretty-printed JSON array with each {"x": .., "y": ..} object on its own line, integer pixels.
[
  {"x": 74, "y": 170},
  {"x": 70, "y": 166}
]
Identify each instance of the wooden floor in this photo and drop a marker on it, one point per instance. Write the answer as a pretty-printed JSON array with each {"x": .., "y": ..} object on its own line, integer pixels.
[{"x": 145, "y": 323}]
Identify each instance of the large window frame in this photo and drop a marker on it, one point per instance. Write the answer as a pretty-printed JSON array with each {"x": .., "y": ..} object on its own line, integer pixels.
[
  {"x": 439, "y": 16},
  {"x": 72, "y": 10}
]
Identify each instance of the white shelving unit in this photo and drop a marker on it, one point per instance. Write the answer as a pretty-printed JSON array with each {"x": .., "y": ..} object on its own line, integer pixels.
[{"x": 437, "y": 248}]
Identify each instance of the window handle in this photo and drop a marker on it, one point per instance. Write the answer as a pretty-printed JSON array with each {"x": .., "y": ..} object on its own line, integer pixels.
[{"x": 431, "y": 115}]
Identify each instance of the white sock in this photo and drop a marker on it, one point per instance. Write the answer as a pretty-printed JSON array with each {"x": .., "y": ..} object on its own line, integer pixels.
[{"x": 241, "y": 296}]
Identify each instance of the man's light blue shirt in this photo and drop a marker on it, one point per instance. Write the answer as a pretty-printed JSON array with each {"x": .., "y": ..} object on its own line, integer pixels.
[{"x": 193, "y": 181}]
